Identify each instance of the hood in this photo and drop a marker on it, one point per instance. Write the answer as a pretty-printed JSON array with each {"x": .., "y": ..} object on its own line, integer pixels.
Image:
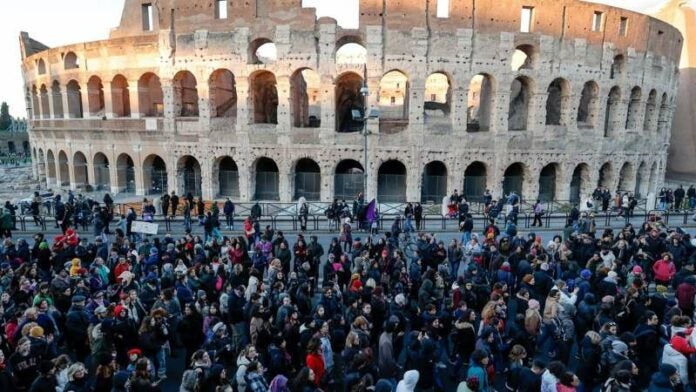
[
  {"x": 671, "y": 352},
  {"x": 408, "y": 384},
  {"x": 242, "y": 360},
  {"x": 660, "y": 380},
  {"x": 383, "y": 386},
  {"x": 590, "y": 299}
]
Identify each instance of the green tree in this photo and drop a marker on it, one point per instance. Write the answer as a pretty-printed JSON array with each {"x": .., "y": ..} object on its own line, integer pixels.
[{"x": 5, "y": 118}]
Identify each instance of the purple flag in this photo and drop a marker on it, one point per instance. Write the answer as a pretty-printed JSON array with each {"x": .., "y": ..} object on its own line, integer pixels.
[{"x": 371, "y": 213}]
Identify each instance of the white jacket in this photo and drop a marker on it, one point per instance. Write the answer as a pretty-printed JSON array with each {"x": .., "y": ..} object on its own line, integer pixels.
[{"x": 678, "y": 360}]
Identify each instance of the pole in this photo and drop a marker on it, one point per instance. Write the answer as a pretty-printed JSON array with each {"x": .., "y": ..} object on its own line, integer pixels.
[{"x": 365, "y": 92}]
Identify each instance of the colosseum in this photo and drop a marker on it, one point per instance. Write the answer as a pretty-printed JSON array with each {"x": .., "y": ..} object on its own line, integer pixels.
[{"x": 260, "y": 100}]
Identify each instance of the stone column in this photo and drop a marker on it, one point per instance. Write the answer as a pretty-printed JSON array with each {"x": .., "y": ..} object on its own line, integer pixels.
[
  {"x": 245, "y": 191},
  {"x": 458, "y": 110},
  {"x": 66, "y": 100},
  {"x": 71, "y": 173},
  {"x": 204, "y": 109},
  {"x": 41, "y": 113},
  {"x": 108, "y": 101},
  {"x": 284, "y": 112},
  {"x": 51, "y": 110},
  {"x": 242, "y": 105},
  {"x": 327, "y": 184},
  {"x": 499, "y": 118},
  {"x": 285, "y": 182},
  {"x": 416, "y": 100},
  {"x": 207, "y": 179},
  {"x": 84, "y": 97},
  {"x": 327, "y": 95},
  {"x": 413, "y": 177},
  {"x": 134, "y": 98},
  {"x": 169, "y": 105}
]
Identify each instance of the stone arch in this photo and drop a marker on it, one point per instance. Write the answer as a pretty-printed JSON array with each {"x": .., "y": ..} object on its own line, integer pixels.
[
  {"x": 223, "y": 94},
  {"x": 642, "y": 176},
  {"x": 606, "y": 176},
  {"x": 633, "y": 109},
  {"x": 43, "y": 96},
  {"x": 580, "y": 183},
  {"x": 305, "y": 95},
  {"x": 102, "y": 176},
  {"x": 393, "y": 101},
  {"x": 185, "y": 94},
  {"x": 262, "y": 51},
  {"x": 188, "y": 171},
  {"x": 480, "y": 103},
  {"x": 51, "y": 169},
  {"x": 307, "y": 179},
  {"x": 350, "y": 50},
  {"x": 41, "y": 67},
  {"x": 64, "y": 168},
  {"x": 434, "y": 182},
  {"x": 438, "y": 97},
  {"x": 36, "y": 109},
  {"x": 57, "y": 98},
  {"x": 95, "y": 97},
  {"x": 74, "y": 99},
  {"x": 475, "y": 181},
  {"x": 653, "y": 177},
  {"x": 264, "y": 97},
  {"x": 549, "y": 179},
  {"x": 349, "y": 179},
  {"x": 524, "y": 57},
  {"x": 350, "y": 105},
  {"x": 650, "y": 119},
  {"x": 70, "y": 61},
  {"x": 266, "y": 179},
  {"x": 155, "y": 176},
  {"x": 521, "y": 93},
  {"x": 120, "y": 97},
  {"x": 588, "y": 110},
  {"x": 663, "y": 116},
  {"x": 618, "y": 66},
  {"x": 81, "y": 176},
  {"x": 226, "y": 172},
  {"x": 150, "y": 96},
  {"x": 26, "y": 149},
  {"x": 514, "y": 178},
  {"x": 391, "y": 182},
  {"x": 611, "y": 118},
  {"x": 627, "y": 178},
  {"x": 125, "y": 174},
  {"x": 557, "y": 102}
]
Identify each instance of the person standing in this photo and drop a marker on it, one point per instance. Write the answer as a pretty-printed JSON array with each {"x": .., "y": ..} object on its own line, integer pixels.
[
  {"x": 679, "y": 194},
  {"x": 174, "y": 199},
  {"x": 691, "y": 195},
  {"x": 538, "y": 211},
  {"x": 228, "y": 210},
  {"x": 418, "y": 215},
  {"x": 165, "y": 204},
  {"x": 408, "y": 215}
]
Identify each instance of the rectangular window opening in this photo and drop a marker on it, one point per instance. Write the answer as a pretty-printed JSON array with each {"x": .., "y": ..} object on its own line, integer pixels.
[
  {"x": 148, "y": 19},
  {"x": 526, "y": 19},
  {"x": 597, "y": 21},
  {"x": 220, "y": 9},
  {"x": 443, "y": 8},
  {"x": 623, "y": 26}
]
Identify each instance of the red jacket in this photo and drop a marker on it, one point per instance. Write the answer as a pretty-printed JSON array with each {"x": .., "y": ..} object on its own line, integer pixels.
[
  {"x": 685, "y": 295},
  {"x": 664, "y": 270},
  {"x": 681, "y": 344},
  {"x": 316, "y": 363}
]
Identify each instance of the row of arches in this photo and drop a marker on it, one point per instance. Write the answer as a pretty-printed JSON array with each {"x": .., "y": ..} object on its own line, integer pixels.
[{"x": 348, "y": 175}]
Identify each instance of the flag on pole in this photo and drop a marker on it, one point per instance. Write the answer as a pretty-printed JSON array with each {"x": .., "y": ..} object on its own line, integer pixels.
[{"x": 371, "y": 213}]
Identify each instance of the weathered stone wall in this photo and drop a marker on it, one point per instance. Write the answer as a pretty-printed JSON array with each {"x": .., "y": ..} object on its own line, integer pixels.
[{"x": 398, "y": 35}]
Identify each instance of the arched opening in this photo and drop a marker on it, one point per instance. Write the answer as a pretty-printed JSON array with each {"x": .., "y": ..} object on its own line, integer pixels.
[
  {"x": 479, "y": 103},
  {"x": 612, "y": 112},
  {"x": 228, "y": 178},
  {"x": 155, "y": 175},
  {"x": 520, "y": 97},
  {"x": 70, "y": 61},
  {"x": 475, "y": 181},
  {"x": 262, "y": 51},
  {"x": 266, "y": 180},
  {"x": 547, "y": 182},
  {"x": 26, "y": 149},
  {"x": 150, "y": 97},
  {"x": 391, "y": 182},
  {"x": 438, "y": 99},
  {"x": 649, "y": 121},
  {"x": 524, "y": 57},
  {"x": 434, "y": 185},
  {"x": 617, "y": 67},
  {"x": 264, "y": 94},
  {"x": 641, "y": 175},
  {"x": 185, "y": 94},
  {"x": 42, "y": 165},
  {"x": 80, "y": 170},
  {"x": 41, "y": 67},
  {"x": 11, "y": 147},
  {"x": 36, "y": 109},
  {"x": 513, "y": 179},
  {"x": 120, "y": 97},
  {"x": 350, "y": 107},
  {"x": 580, "y": 183},
  {"x": 663, "y": 116},
  {"x": 307, "y": 180},
  {"x": 102, "y": 177},
  {"x": 627, "y": 178},
  {"x": 95, "y": 97},
  {"x": 223, "y": 94},
  {"x": 349, "y": 180},
  {"x": 74, "y": 99},
  {"x": 189, "y": 176},
  {"x": 57, "y": 98},
  {"x": 557, "y": 102},
  {"x": 606, "y": 176},
  {"x": 393, "y": 102},
  {"x": 45, "y": 109},
  {"x": 633, "y": 109},
  {"x": 125, "y": 174},
  {"x": 653, "y": 178},
  {"x": 64, "y": 169},
  {"x": 305, "y": 95},
  {"x": 589, "y": 105},
  {"x": 350, "y": 53},
  {"x": 51, "y": 162}
]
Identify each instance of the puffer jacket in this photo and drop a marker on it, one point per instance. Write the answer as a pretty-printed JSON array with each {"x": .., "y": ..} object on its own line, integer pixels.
[
  {"x": 664, "y": 270},
  {"x": 673, "y": 357}
]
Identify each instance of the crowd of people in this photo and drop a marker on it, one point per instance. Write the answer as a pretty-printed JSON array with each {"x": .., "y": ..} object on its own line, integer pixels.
[{"x": 496, "y": 309}]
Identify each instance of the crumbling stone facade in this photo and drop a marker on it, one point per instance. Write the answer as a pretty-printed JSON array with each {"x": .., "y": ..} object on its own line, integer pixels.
[{"x": 184, "y": 97}]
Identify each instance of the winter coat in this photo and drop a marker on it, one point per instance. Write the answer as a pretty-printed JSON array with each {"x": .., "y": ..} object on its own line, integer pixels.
[
  {"x": 673, "y": 357},
  {"x": 664, "y": 270}
]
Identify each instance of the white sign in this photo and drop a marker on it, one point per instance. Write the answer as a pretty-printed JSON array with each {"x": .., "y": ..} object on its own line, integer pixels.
[{"x": 144, "y": 227}]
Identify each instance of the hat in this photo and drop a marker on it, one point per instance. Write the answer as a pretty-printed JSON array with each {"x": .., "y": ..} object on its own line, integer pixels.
[
  {"x": 99, "y": 310},
  {"x": 201, "y": 293},
  {"x": 118, "y": 309},
  {"x": 400, "y": 299},
  {"x": 135, "y": 351},
  {"x": 619, "y": 346},
  {"x": 585, "y": 274},
  {"x": 661, "y": 288},
  {"x": 668, "y": 370},
  {"x": 218, "y": 327},
  {"x": 78, "y": 298},
  {"x": 637, "y": 270},
  {"x": 612, "y": 274},
  {"x": 36, "y": 332},
  {"x": 544, "y": 266}
]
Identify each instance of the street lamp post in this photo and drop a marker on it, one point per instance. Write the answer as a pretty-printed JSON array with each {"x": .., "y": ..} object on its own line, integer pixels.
[{"x": 365, "y": 92}]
